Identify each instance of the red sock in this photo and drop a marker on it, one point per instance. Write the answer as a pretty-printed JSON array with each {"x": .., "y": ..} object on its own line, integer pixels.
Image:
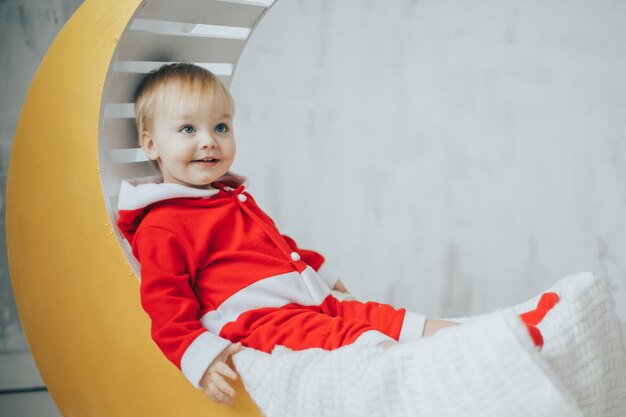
[
  {"x": 532, "y": 318},
  {"x": 535, "y": 334}
]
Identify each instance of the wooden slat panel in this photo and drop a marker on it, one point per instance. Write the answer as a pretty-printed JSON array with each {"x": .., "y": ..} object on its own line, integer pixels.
[
  {"x": 123, "y": 156},
  {"x": 126, "y": 245},
  {"x": 118, "y": 134},
  {"x": 121, "y": 86},
  {"x": 119, "y": 110},
  {"x": 113, "y": 204},
  {"x": 203, "y": 11},
  {"x": 146, "y": 46},
  {"x": 144, "y": 67},
  {"x": 112, "y": 175},
  {"x": 210, "y": 33},
  {"x": 187, "y": 29},
  {"x": 264, "y": 3}
]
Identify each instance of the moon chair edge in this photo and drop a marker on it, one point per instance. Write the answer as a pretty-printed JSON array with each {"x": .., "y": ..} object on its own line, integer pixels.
[{"x": 76, "y": 294}]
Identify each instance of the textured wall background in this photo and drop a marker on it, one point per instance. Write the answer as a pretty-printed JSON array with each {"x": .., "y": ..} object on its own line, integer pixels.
[{"x": 450, "y": 156}]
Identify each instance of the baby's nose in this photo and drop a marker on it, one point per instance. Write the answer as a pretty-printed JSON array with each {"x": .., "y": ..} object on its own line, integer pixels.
[{"x": 207, "y": 141}]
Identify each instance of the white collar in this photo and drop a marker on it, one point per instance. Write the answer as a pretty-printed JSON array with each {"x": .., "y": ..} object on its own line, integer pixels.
[{"x": 141, "y": 192}]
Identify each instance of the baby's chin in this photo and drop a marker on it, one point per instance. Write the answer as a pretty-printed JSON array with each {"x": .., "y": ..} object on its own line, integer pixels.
[{"x": 202, "y": 186}]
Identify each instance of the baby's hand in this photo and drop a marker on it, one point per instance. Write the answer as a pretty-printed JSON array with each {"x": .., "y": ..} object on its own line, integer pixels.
[
  {"x": 340, "y": 287},
  {"x": 213, "y": 382}
]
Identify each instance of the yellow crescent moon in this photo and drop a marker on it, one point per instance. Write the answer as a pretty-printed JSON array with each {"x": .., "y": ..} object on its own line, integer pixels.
[{"x": 76, "y": 295}]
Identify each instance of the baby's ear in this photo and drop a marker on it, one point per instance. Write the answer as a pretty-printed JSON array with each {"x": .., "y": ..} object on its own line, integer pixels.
[{"x": 147, "y": 144}]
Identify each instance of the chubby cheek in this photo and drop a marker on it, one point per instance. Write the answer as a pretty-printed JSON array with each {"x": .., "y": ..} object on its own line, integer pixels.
[{"x": 229, "y": 151}]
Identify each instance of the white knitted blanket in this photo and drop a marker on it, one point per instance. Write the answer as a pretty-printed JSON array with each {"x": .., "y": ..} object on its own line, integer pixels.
[{"x": 486, "y": 367}]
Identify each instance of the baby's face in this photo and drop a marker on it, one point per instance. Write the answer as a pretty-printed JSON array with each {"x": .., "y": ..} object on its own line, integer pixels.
[{"x": 192, "y": 138}]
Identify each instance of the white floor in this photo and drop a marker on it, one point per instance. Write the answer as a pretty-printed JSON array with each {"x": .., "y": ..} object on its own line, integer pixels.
[{"x": 28, "y": 404}]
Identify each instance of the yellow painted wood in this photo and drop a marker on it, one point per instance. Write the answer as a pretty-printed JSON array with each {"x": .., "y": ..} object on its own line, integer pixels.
[{"x": 77, "y": 298}]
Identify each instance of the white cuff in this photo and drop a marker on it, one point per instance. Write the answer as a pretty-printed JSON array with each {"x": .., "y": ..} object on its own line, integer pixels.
[
  {"x": 329, "y": 274},
  {"x": 373, "y": 338},
  {"x": 199, "y": 356},
  {"x": 412, "y": 326}
]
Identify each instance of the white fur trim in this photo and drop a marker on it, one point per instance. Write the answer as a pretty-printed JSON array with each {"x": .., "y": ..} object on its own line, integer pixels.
[
  {"x": 372, "y": 338},
  {"x": 306, "y": 289},
  {"x": 412, "y": 326},
  {"x": 136, "y": 197},
  {"x": 199, "y": 355},
  {"x": 141, "y": 192}
]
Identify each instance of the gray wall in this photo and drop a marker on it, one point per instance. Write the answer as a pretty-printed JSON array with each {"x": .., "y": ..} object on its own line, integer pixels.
[
  {"x": 449, "y": 156},
  {"x": 452, "y": 156}
]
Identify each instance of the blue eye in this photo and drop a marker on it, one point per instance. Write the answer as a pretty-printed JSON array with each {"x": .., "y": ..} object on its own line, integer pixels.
[
  {"x": 221, "y": 128},
  {"x": 188, "y": 130}
]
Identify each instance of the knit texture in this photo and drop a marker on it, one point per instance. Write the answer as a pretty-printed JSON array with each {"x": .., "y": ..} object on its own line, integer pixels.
[
  {"x": 486, "y": 367},
  {"x": 585, "y": 345}
]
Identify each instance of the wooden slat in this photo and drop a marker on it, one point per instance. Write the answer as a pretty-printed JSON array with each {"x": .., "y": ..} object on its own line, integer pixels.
[
  {"x": 113, "y": 204},
  {"x": 121, "y": 86},
  {"x": 190, "y": 29},
  {"x": 144, "y": 67},
  {"x": 146, "y": 46},
  {"x": 203, "y": 11},
  {"x": 118, "y": 134},
  {"x": 126, "y": 246},
  {"x": 123, "y": 156},
  {"x": 119, "y": 111},
  {"x": 112, "y": 175},
  {"x": 264, "y": 3}
]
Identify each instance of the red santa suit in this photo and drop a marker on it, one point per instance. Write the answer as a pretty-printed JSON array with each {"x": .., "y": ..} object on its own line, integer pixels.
[{"x": 215, "y": 270}]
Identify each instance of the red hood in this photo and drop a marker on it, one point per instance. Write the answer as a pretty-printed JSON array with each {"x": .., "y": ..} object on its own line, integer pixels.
[{"x": 136, "y": 197}]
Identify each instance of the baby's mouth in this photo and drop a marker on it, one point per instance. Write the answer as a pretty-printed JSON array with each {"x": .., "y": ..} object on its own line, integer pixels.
[{"x": 209, "y": 160}]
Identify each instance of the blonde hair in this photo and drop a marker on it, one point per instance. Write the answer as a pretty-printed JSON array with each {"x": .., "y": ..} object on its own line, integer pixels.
[{"x": 152, "y": 93}]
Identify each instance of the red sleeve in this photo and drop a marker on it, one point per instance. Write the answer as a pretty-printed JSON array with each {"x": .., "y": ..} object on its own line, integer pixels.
[{"x": 167, "y": 296}]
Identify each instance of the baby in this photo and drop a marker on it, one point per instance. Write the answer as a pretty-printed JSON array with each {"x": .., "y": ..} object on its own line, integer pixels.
[{"x": 216, "y": 272}]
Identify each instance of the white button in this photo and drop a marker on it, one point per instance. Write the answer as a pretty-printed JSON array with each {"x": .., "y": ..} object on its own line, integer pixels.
[
  {"x": 242, "y": 197},
  {"x": 295, "y": 256}
]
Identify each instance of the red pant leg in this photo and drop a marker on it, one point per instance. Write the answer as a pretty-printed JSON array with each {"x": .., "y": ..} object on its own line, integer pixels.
[
  {"x": 330, "y": 326},
  {"x": 381, "y": 317}
]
